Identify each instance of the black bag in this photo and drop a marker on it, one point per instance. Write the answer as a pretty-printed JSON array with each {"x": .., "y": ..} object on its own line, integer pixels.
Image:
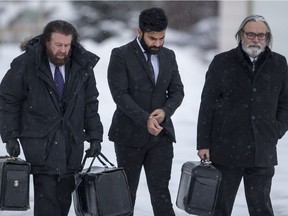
[
  {"x": 14, "y": 184},
  {"x": 102, "y": 191},
  {"x": 198, "y": 188}
]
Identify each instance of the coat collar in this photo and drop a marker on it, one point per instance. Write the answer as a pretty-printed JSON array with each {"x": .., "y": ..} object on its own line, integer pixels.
[
  {"x": 79, "y": 54},
  {"x": 80, "y": 58},
  {"x": 267, "y": 52},
  {"x": 140, "y": 55}
]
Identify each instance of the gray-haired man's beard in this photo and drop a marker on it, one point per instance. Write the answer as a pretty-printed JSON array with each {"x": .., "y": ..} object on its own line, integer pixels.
[{"x": 253, "y": 49}]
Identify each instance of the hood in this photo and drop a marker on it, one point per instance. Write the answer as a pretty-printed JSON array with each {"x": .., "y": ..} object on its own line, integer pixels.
[
  {"x": 83, "y": 56},
  {"x": 28, "y": 43},
  {"x": 79, "y": 54}
]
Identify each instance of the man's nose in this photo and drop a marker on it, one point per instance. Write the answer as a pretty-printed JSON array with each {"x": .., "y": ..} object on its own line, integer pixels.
[
  {"x": 62, "y": 49},
  {"x": 158, "y": 43},
  {"x": 256, "y": 39}
]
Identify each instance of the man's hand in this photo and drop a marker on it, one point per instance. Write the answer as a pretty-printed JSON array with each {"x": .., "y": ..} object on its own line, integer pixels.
[
  {"x": 153, "y": 126},
  {"x": 94, "y": 150},
  {"x": 204, "y": 154},
  {"x": 159, "y": 115},
  {"x": 13, "y": 147}
]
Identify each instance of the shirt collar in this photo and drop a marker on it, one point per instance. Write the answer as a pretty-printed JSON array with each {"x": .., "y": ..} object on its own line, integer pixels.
[
  {"x": 253, "y": 59},
  {"x": 140, "y": 45},
  {"x": 52, "y": 66}
]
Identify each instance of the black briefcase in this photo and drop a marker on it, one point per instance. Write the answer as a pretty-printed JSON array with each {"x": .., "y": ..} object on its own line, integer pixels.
[
  {"x": 102, "y": 191},
  {"x": 14, "y": 184},
  {"x": 198, "y": 188}
]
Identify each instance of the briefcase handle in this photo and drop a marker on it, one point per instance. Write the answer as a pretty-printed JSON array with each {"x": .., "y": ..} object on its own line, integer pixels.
[
  {"x": 14, "y": 159},
  {"x": 99, "y": 159},
  {"x": 8, "y": 157},
  {"x": 206, "y": 162}
]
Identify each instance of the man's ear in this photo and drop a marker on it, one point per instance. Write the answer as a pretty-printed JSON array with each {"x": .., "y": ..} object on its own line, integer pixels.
[{"x": 139, "y": 32}]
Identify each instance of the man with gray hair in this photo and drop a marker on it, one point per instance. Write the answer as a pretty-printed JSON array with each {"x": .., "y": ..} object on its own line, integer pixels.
[{"x": 243, "y": 113}]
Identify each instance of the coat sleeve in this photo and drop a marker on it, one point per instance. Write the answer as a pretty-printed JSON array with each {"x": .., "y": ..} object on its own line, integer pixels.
[
  {"x": 175, "y": 91},
  {"x": 92, "y": 125},
  {"x": 12, "y": 93},
  {"x": 282, "y": 108},
  {"x": 210, "y": 95}
]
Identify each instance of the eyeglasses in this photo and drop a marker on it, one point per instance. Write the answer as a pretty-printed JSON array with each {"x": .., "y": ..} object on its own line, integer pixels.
[{"x": 251, "y": 35}]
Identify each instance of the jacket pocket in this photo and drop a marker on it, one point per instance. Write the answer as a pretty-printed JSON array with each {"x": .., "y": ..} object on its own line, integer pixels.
[
  {"x": 34, "y": 150},
  {"x": 75, "y": 157}
]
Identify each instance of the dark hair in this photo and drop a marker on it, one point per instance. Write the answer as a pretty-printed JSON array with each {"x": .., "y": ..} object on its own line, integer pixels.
[
  {"x": 153, "y": 19},
  {"x": 59, "y": 26}
]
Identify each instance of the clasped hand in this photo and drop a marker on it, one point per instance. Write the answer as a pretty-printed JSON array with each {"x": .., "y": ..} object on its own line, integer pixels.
[{"x": 154, "y": 121}]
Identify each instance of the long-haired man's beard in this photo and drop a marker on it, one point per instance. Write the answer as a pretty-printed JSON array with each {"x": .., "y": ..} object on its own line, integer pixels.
[
  {"x": 152, "y": 49},
  {"x": 253, "y": 49},
  {"x": 56, "y": 60}
]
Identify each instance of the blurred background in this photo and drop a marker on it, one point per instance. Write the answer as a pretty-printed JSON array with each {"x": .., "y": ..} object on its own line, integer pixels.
[
  {"x": 197, "y": 31},
  {"x": 207, "y": 25}
]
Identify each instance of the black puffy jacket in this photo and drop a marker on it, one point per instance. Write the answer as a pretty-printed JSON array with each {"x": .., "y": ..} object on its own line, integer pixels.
[{"x": 51, "y": 134}]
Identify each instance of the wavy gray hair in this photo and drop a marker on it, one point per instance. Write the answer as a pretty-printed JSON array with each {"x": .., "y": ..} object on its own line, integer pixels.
[{"x": 255, "y": 18}]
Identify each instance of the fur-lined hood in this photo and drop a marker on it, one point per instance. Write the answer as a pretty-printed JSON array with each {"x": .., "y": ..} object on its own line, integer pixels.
[
  {"x": 29, "y": 42},
  {"x": 79, "y": 53}
]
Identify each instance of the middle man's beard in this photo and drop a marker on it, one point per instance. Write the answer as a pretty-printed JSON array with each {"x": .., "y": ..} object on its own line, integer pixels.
[{"x": 152, "y": 50}]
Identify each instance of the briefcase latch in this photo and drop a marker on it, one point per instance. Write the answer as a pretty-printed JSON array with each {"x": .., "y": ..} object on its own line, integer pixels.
[{"x": 16, "y": 183}]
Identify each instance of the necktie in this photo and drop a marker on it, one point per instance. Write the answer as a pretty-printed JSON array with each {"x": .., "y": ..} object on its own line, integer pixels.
[
  {"x": 150, "y": 66},
  {"x": 253, "y": 67},
  {"x": 59, "y": 82}
]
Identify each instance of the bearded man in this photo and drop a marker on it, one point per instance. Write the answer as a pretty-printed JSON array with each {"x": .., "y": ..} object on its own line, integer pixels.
[
  {"x": 146, "y": 86},
  {"x": 48, "y": 101},
  {"x": 243, "y": 113}
]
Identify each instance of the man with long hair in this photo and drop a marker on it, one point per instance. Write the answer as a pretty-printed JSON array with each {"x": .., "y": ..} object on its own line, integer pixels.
[
  {"x": 243, "y": 113},
  {"x": 48, "y": 101}
]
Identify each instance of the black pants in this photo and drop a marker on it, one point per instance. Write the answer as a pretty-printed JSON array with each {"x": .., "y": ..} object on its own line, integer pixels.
[
  {"x": 257, "y": 185},
  {"x": 157, "y": 161},
  {"x": 52, "y": 195}
]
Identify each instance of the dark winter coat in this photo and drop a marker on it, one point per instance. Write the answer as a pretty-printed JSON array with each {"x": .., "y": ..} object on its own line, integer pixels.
[
  {"x": 136, "y": 95},
  {"x": 51, "y": 134},
  {"x": 242, "y": 117}
]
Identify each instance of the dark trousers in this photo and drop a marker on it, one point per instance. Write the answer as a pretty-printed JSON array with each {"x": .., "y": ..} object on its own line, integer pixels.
[
  {"x": 52, "y": 195},
  {"x": 156, "y": 158},
  {"x": 257, "y": 184}
]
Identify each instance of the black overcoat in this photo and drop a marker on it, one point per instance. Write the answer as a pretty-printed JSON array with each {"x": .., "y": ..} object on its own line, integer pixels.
[
  {"x": 136, "y": 95},
  {"x": 241, "y": 117},
  {"x": 31, "y": 111}
]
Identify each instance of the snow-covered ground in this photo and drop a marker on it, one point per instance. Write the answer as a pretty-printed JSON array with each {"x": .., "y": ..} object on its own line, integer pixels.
[{"x": 192, "y": 70}]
